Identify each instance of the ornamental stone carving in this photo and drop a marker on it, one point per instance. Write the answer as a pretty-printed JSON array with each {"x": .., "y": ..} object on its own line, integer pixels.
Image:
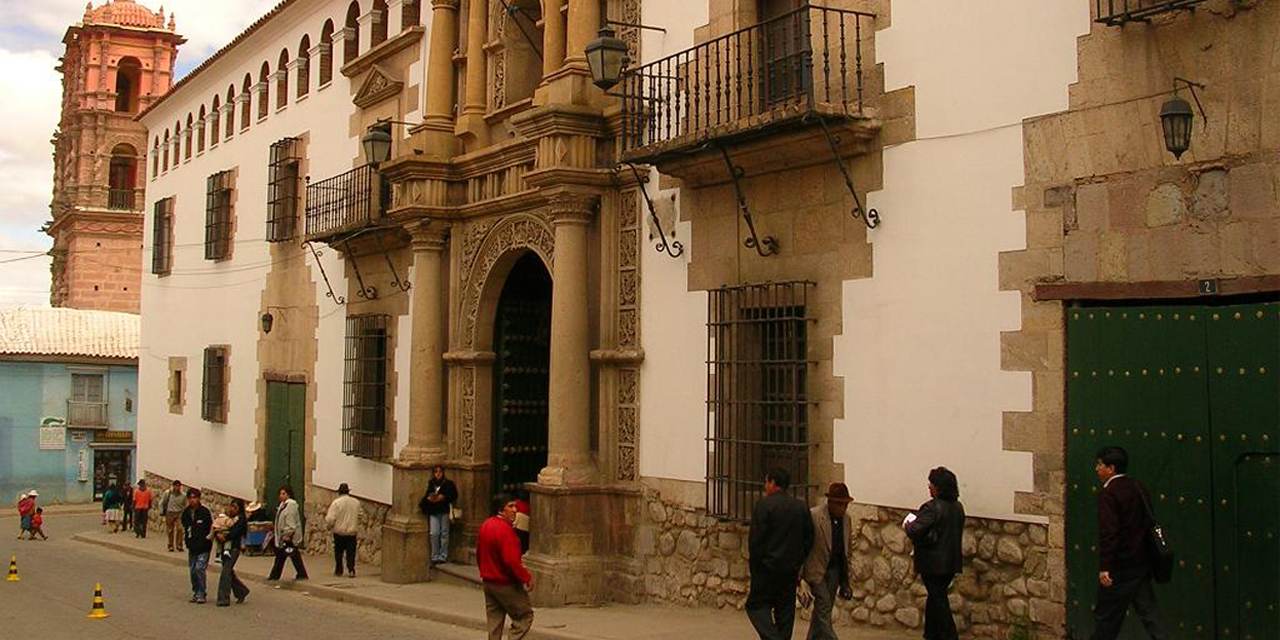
[{"x": 520, "y": 231}]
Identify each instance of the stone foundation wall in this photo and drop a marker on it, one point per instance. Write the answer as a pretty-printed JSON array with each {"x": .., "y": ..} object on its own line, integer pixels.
[
  {"x": 319, "y": 539},
  {"x": 694, "y": 560}
]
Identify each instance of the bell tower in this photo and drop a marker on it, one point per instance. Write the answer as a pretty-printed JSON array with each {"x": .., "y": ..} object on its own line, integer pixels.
[{"x": 118, "y": 60}]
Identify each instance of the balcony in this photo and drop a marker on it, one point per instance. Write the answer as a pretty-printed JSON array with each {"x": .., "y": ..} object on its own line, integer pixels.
[
  {"x": 86, "y": 415},
  {"x": 1118, "y": 12},
  {"x": 345, "y": 203},
  {"x": 778, "y": 74},
  {"x": 121, "y": 199}
]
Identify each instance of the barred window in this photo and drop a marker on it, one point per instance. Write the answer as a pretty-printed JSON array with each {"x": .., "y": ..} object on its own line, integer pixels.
[
  {"x": 757, "y": 393},
  {"x": 213, "y": 396},
  {"x": 217, "y": 221},
  {"x": 162, "y": 237},
  {"x": 364, "y": 405},
  {"x": 282, "y": 190}
]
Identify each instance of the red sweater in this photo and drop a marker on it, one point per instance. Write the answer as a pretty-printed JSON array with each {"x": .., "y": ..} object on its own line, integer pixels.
[{"x": 498, "y": 553}]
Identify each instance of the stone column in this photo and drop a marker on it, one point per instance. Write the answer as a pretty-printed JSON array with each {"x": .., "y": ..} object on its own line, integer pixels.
[
  {"x": 438, "y": 118},
  {"x": 553, "y": 37},
  {"x": 471, "y": 125},
  {"x": 569, "y": 410},
  {"x": 426, "y": 359},
  {"x": 584, "y": 26}
]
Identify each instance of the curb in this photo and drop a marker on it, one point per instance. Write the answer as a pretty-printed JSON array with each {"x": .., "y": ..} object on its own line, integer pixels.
[{"x": 340, "y": 595}]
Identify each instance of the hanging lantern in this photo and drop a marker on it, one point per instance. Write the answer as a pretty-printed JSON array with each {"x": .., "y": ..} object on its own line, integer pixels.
[
  {"x": 1176, "y": 117},
  {"x": 607, "y": 57},
  {"x": 377, "y": 143}
]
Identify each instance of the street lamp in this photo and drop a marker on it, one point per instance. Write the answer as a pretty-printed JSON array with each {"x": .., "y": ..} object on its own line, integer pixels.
[
  {"x": 377, "y": 143},
  {"x": 1176, "y": 118},
  {"x": 607, "y": 57}
]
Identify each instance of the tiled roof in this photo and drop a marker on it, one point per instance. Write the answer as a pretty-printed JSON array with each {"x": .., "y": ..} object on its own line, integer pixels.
[{"x": 68, "y": 332}]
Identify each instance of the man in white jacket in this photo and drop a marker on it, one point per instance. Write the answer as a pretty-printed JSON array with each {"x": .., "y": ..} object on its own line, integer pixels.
[{"x": 344, "y": 521}]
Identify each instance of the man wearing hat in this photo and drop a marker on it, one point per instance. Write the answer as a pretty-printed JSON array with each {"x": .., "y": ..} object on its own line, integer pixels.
[{"x": 826, "y": 570}]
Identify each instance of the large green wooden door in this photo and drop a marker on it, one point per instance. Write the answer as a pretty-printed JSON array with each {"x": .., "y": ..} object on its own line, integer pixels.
[
  {"x": 1191, "y": 392},
  {"x": 522, "y": 341},
  {"x": 286, "y": 411}
]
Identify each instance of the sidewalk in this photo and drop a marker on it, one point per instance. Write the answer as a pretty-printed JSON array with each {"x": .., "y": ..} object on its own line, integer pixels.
[
  {"x": 66, "y": 509},
  {"x": 446, "y": 600}
]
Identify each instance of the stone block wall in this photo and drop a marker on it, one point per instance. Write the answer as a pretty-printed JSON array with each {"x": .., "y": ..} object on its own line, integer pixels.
[{"x": 692, "y": 559}]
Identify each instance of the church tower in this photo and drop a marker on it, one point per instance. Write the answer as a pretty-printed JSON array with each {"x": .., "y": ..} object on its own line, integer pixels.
[{"x": 118, "y": 60}]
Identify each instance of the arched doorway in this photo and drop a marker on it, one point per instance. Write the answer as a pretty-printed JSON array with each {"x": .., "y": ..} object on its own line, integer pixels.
[
  {"x": 122, "y": 178},
  {"x": 521, "y": 368}
]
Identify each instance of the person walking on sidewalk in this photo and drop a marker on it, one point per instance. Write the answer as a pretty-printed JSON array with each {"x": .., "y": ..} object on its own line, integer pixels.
[
  {"x": 141, "y": 506},
  {"x": 229, "y": 583},
  {"x": 507, "y": 582},
  {"x": 344, "y": 521},
  {"x": 126, "y": 505},
  {"x": 288, "y": 532},
  {"x": 1124, "y": 557},
  {"x": 936, "y": 532},
  {"x": 781, "y": 536},
  {"x": 172, "y": 504},
  {"x": 436, "y": 504},
  {"x": 26, "y": 511},
  {"x": 826, "y": 570},
  {"x": 197, "y": 522},
  {"x": 111, "y": 508}
]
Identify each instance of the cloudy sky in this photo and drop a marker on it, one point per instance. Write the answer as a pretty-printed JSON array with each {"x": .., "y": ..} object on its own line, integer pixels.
[{"x": 30, "y": 44}]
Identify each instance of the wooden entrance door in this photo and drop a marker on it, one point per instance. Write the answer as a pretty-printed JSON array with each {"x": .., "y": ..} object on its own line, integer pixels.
[
  {"x": 522, "y": 345},
  {"x": 1193, "y": 393},
  {"x": 286, "y": 449}
]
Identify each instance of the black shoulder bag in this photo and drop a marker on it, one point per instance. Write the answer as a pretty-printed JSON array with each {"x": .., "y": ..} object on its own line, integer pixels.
[{"x": 1158, "y": 545}]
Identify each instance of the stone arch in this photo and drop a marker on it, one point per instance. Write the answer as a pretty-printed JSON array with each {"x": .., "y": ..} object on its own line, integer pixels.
[{"x": 489, "y": 252}]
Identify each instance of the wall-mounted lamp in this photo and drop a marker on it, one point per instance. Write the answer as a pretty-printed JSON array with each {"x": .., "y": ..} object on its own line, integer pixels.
[
  {"x": 1176, "y": 118},
  {"x": 607, "y": 57},
  {"x": 377, "y": 141},
  {"x": 267, "y": 320}
]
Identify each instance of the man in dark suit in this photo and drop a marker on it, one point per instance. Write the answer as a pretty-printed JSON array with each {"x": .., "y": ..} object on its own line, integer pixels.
[
  {"x": 1124, "y": 559},
  {"x": 936, "y": 533},
  {"x": 781, "y": 536}
]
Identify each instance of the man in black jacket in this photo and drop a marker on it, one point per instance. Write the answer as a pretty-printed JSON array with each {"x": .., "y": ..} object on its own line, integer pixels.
[
  {"x": 781, "y": 536},
  {"x": 197, "y": 521},
  {"x": 1124, "y": 559}
]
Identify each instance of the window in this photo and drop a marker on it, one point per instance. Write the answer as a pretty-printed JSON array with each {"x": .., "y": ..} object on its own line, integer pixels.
[
  {"x": 165, "y": 164},
  {"x": 162, "y": 237},
  {"x": 282, "y": 191},
  {"x": 246, "y": 102},
  {"x": 304, "y": 66},
  {"x": 186, "y": 150},
  {"x": 177, "y": 144},
  {"x": 378, "y": 34},
  {"x": 264, "y": 81},
  {"x": 758, "y": 406},
  {"x": 215, "y": 122},
  {"x": 128, "y": 79},
  {"x": 351, "y": 33},
  {"x": 213, "y": 393},
  {"x": 201, "y": 129},
  {"x": 217, "y": 221},
  {"x": 410, "y": 14},
  {"x": 364, "y": 405},
  {"x": 175, "y": 388},
  {"x": 87, "y": 406},
  {"x": 282, "y": 80},
  {"x": 155, "y": 158},
  {"x": 326, "y": 53},
  {"x": 231, "y": 111},
  {"x": 121, "y": 177}
]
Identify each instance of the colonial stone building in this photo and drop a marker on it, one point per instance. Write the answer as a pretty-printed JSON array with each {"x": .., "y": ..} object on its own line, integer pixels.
[
  {"x": 837, "y": 237},
  {"x": 118, "y": 60}
]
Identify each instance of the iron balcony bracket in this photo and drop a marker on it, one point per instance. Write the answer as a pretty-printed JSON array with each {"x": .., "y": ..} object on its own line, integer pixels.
[
  {"x": 1192, "y": 87},
  {"x": 368, "y": 293},
  {"x": 766, "y": 246},
  {"x": 402, "y": 285},
  {"x": 674, "y": 248},
  {"x": 869, "y": 217},
  {"x": 330, "y": 294}
]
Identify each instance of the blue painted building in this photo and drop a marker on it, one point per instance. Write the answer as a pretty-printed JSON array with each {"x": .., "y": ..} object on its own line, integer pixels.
[{"x": 68, "y": 402}]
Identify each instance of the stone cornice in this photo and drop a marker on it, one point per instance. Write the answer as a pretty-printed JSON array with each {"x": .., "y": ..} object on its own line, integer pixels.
[
  {"x": 560, "y": 119},
  {"x": 123, "y": 223},
  {"x": 403, "y": 40}
]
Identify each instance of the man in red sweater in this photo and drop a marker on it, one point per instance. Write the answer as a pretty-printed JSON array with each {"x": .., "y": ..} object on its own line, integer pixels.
[{"x": 506, "y": 582}]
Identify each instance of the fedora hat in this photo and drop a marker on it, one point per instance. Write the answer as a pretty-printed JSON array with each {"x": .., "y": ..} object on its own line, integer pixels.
[{"x": 838, "y": 492}]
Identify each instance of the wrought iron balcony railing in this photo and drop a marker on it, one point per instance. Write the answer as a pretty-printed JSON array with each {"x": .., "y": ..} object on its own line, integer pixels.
[
  {"x": 120, "y": 199},
  {"x": 1118, "y": 12},
  {"x": 86, "y": 414},
  {"x": 343, "y": 203},
  {"x": 803, "y": 62}
]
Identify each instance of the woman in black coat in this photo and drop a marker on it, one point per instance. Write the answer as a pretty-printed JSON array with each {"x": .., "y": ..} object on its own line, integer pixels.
[
  {"x": 936, "y": 532},
  {"x": 233, "y": 541}
]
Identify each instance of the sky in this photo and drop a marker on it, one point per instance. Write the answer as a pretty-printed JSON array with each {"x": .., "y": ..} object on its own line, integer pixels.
[{"x": 30, "y": 44}]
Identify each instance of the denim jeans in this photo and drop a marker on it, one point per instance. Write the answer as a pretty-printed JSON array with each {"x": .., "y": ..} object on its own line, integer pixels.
[
  {"x": 439, "y": 536},
  {"x": 199, "y": 563}
]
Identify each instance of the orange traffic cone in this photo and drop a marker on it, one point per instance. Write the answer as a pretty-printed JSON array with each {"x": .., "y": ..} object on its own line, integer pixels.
[
  {"x": 13, "y": 569},
  {"x": 99, "y": 608}
]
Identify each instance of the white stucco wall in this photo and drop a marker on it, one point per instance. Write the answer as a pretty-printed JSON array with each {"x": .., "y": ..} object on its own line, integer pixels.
[
  {"x": 920, "y": 350},
  {"x": 673, "y": 378},
  {"x": 204, "y": 303}
]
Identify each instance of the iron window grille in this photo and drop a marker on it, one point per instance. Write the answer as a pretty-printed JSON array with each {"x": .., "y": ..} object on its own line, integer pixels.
[
  {"x": 757, "y": 393},
  {"x": 162, "y": 240},
  {"x": 88, "y": 404},
  {"x": 282, "y": 189},
  {"x": 213, "y": 396},
  {"x": 1118, "y": 12},
  {"x": 364, "y": 405},
  {"x": 217, "y": 222}
]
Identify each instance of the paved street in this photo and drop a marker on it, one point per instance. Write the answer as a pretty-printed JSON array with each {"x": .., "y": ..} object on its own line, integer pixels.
[{"x": 148, "y": 599}]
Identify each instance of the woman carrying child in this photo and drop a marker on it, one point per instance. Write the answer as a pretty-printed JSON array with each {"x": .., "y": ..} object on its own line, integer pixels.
[{"x": 232, "y": 538}]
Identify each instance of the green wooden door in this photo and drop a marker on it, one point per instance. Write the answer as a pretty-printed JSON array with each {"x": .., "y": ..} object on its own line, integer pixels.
[
  {"x": 522, "y": 340},
  {"x": 1165, "y": 383},
  {"x": 286, "y": 411}
]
